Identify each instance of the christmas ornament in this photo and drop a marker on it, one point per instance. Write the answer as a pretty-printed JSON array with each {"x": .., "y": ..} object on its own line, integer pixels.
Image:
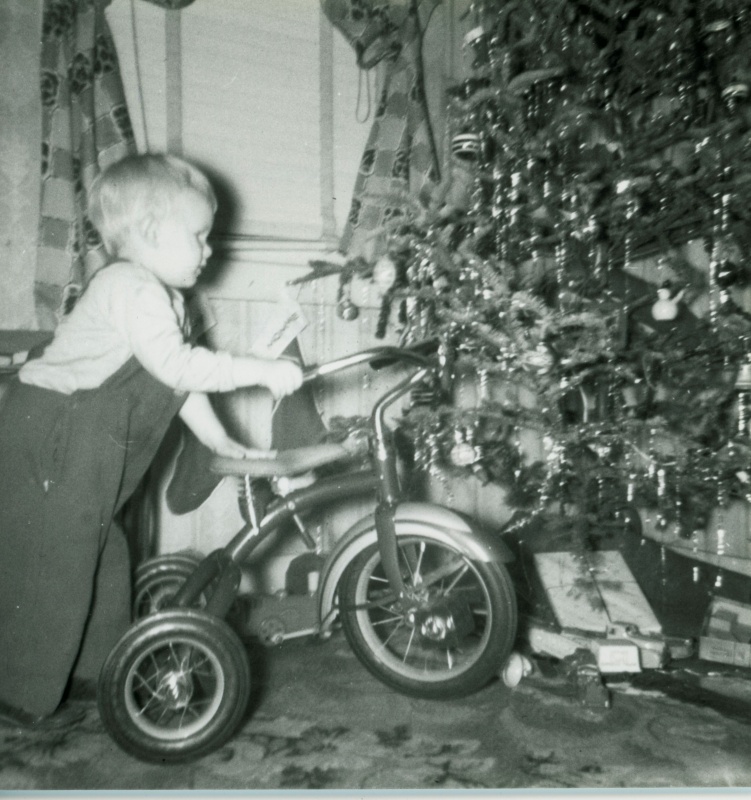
[
  {"x": 347, "y": 310},
  {"x": 384, "y": 273},
  {"x": 735, "y": 93},
  {"x": 466, "y": 146},
  {"x": 743, "y": 391},
  {"x": 665, "y": 307},
  {"x": 476, "y": 42},
  {"x": 540, "y": 359},
  {"x": 462, "y": 454},
  {"x": 728, "y": 274}
]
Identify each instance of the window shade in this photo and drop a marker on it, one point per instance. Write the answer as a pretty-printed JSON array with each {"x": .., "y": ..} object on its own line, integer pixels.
[{"x": 252, "y": 107}]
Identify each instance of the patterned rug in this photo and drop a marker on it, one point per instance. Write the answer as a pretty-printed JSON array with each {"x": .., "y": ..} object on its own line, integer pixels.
[
  {"x": 321, "y": 723},
  {"x": 270, "y": 753}
]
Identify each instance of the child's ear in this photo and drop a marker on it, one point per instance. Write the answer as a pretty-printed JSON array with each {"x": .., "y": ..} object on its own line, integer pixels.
[{"x": 148, "y": 228}]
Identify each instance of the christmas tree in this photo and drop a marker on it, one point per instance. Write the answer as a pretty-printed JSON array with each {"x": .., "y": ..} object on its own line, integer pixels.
[{"x": 591, "y": 138}]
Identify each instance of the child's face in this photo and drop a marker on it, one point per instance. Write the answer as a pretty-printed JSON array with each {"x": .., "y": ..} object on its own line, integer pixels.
[{"x": 179, "y": 249}]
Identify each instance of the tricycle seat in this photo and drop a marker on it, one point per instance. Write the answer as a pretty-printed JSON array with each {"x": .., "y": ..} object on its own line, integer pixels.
[{"x": 279, "y": 463}]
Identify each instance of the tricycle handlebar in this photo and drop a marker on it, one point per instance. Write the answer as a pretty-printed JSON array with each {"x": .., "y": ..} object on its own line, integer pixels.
[{"x": 386, "y": 354}]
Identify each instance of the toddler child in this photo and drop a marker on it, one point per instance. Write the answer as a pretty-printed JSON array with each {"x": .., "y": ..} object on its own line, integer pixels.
[{"x": 81, "y": 423}]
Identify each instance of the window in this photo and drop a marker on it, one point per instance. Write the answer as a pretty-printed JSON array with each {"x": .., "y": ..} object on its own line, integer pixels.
[{"x": 263, "y": 95}]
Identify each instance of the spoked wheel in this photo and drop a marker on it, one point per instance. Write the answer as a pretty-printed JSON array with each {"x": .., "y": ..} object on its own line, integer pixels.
[
  {"x": 450, "y": 635},
  {"x": 157, "y": 580},
  {"x": 175, "y": 687}
]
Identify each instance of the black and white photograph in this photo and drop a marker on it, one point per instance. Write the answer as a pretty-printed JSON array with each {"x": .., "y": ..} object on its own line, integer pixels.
[{"x": 375, "y": 397}]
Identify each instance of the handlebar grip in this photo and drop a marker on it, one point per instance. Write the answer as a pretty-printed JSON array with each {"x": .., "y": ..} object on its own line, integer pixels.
[{"x": 424, "y": 348}]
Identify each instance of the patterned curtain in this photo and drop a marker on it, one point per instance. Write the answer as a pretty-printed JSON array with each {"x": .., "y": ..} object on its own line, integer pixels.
[
  {"x": 400, "y": 159},
  {"x": 85, "y": 126}
]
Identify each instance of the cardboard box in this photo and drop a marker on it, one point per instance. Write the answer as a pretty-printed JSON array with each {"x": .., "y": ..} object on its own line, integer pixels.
[
  {"x": 617, "y": 655},
  {"x": 595, "y": 591},
  {"x": 725, "y": 651},
  {"x": 599, "y": 606},
  {"x": 726, "y": 636}
]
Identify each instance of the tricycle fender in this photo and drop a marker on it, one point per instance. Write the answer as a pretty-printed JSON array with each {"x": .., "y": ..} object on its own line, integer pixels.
[{"x": 442, "y": 524}]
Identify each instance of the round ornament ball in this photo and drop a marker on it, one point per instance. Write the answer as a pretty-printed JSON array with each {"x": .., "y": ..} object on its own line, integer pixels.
[
  {"x": 384, "y": 274},
  {"x": 540, "y": 359},
  {"x": 347, "y": 310},
  {"x": 462, "y": 454}
]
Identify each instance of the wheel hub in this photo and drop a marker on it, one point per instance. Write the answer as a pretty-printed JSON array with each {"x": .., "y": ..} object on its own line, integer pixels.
[
  {"x": 436, "y": 627},
  {"x": 444, "y": 621},
  {"x": 175, "y": 689}
]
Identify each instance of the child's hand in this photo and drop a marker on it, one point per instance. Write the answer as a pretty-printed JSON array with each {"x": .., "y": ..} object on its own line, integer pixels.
[
  {"x": 282, "y": 377},
  {"x": 227, "y": 448}
]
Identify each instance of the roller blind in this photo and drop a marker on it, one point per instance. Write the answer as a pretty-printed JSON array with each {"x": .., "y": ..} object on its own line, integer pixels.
[{"x": 267, "y": 106}]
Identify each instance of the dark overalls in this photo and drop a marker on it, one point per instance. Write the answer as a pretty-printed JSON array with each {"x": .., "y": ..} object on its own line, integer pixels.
[{"x": 67, "y": 465}]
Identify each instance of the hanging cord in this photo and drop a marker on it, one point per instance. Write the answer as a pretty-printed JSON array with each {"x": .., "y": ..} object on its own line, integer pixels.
[
  {"x": 173, "y": 94},
  {"x": 415, "y": 9},
  {"x": 139, "y": 81},
  {"x": 326, "y": 125},
  {"x": 363, "y": 73}
]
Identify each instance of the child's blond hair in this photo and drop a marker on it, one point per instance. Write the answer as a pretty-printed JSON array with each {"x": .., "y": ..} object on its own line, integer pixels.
[{"x": 138, "y": 186}]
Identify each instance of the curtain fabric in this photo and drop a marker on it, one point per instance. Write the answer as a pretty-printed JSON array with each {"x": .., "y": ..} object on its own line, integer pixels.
[
  {"x": 400, "y": 160},
  {"x": 20, "y": 134},
  {"x": 85, "y": 125}
]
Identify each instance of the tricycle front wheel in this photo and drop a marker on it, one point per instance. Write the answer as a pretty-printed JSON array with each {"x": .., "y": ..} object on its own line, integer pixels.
[{"x": 449, "y": 635}]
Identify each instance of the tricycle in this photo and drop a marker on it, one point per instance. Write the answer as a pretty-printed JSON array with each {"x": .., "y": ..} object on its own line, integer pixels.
[{"x": 421, "y": 591}]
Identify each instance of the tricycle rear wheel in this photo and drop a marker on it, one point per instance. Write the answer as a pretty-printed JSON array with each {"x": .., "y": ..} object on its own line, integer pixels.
[
  {"x": 157, "y": 580},
  {"x": 175, "y": 687}
]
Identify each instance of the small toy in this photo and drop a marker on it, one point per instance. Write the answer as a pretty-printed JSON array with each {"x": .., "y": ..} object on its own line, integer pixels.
[{"x": 665, "y": 308}]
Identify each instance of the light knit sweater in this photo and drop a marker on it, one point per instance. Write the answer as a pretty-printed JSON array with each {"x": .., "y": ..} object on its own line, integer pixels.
[{"x": 127, "y": 311}]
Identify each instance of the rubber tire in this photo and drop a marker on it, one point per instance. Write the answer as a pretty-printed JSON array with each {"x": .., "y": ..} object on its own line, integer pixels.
[
  {"x": 497, "y": 644},
  {"x": 159, "y": 578},
  {"x": 149, "y": 637}
]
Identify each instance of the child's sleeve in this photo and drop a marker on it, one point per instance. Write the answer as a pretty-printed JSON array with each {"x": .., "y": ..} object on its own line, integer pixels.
[{"x": 152, "y": 325}]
